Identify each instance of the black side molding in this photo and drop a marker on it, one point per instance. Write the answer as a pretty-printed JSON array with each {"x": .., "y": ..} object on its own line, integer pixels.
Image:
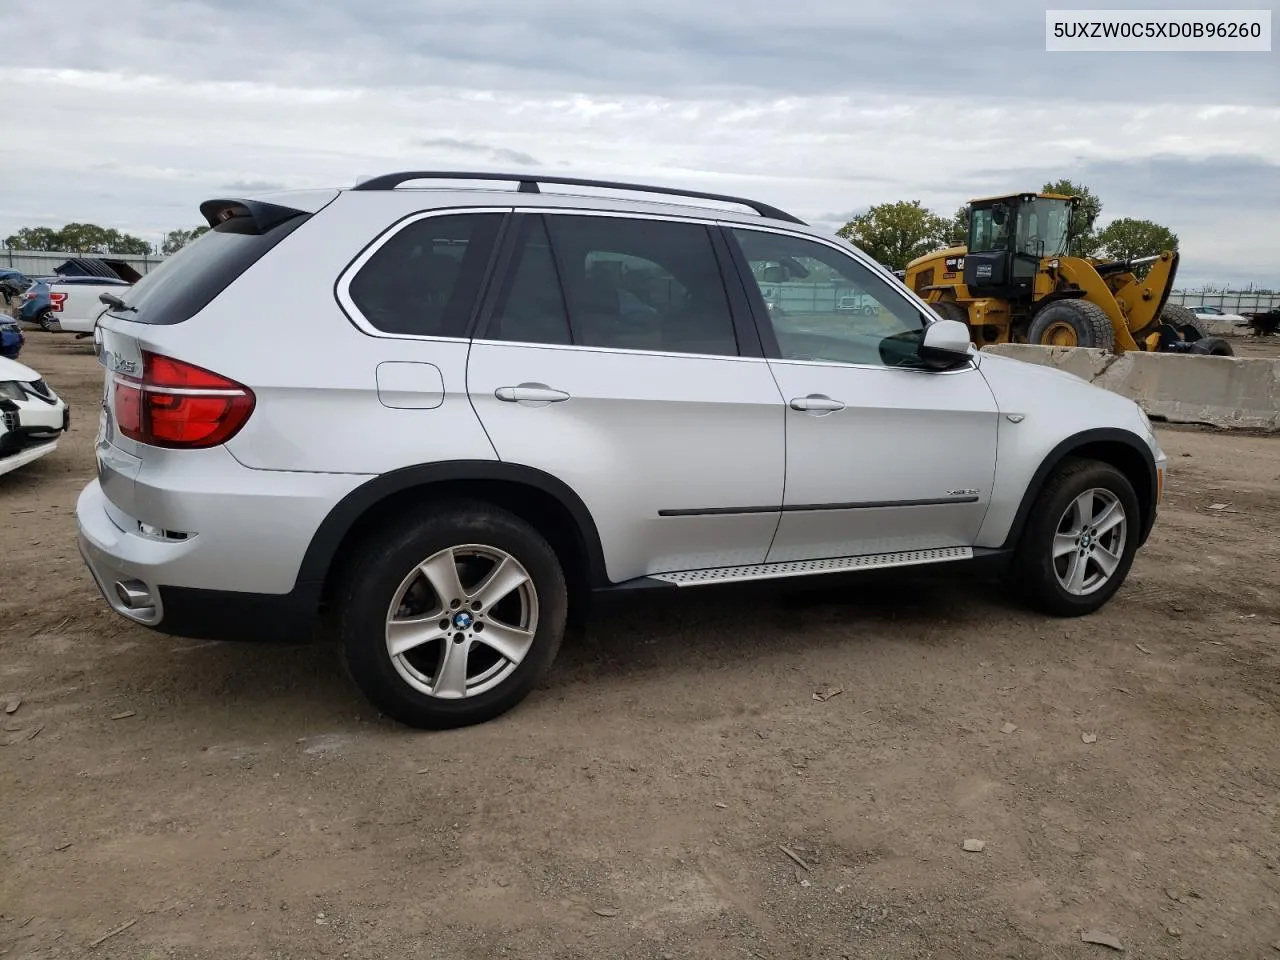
[{"x": 807, "y": 507}]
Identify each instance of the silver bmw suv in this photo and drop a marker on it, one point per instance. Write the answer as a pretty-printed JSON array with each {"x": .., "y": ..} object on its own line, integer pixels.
[{"x": 436, "y": 417}]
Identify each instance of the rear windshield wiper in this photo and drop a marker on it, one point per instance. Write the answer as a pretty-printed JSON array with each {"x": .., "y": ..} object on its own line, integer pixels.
[{"x": 111, "y": 300}]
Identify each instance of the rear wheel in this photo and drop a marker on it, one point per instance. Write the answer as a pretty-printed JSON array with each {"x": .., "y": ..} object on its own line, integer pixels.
[
  {"x": 1080, "y": 539},
  {"x": 1072, "y": 323},
  {"x": 950, "y": 310},
  {"x": 452, "y": 616},
  {"x": 47, "y": 322},
  {"x": 1184, "y": 320},
  {"x": 1213, "y": 347}
]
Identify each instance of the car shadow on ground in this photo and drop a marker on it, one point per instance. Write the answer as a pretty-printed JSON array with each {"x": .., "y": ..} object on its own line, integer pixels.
[{"x": 629, "y": 640}]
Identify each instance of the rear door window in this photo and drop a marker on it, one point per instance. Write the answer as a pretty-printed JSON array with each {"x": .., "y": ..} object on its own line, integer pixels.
[
  {"x": 641, "y": 284},
  {"x": 531, "y": 306},
  {"x": 424, "y": 280}
]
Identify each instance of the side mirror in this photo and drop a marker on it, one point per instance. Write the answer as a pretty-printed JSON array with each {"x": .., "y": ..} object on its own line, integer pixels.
[{"x": 945, "y": 345}]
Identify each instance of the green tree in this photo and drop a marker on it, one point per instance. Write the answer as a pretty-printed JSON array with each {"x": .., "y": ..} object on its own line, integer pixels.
[
  {"x": 88, "y": 238},
  {"x": 175, "y": 240},
  {"x": 959, "y": 233},
  {"x": 897, "y": 233},
  {"x": 1127, "y": 238},
  {"x": 33, "y": 238},
  {"x": 85, "y": 238},
  {"x": 1085, "y": 242}
]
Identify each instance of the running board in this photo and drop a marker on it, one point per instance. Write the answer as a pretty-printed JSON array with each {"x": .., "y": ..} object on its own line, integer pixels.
[{"x": 799, "y": 568}]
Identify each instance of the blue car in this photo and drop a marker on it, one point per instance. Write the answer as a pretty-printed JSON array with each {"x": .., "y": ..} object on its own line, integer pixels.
[
  {"x": 37, "y": 306},
  {"x": 11, "y": 339}
]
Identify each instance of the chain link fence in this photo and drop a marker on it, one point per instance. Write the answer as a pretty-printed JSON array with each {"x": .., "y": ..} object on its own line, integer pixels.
[{"x": 1228, "y": 301}]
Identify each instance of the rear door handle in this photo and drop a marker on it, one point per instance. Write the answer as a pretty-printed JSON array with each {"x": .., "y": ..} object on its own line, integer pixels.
[
  {"x": 530, "y": 393},
  {"x": 817, "y": 403}
]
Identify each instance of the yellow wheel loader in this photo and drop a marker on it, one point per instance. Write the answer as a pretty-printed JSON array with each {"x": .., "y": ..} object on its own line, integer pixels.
[{"x": 1014, "y": 281}]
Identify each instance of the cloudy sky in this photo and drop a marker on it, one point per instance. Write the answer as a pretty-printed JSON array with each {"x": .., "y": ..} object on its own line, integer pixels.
[{"x": 128, "y": 113}]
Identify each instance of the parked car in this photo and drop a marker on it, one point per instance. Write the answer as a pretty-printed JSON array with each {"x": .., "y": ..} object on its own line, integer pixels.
[
  {"x": 12, "y": 284},
  {"x": 32, "y": 416},
  {"x": 11, "y": 338},
  {"x": 466, "y": 437},
  {"x": 68, "y": 304},
  {"x": 1218, "y": 315}
]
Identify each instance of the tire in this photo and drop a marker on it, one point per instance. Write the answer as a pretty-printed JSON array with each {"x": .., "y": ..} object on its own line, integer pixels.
[
  {"x": 1045, "y": 580},
  {"x": 1072, "y": 323},
  {"x": 46, "y": 322},
  {"x": 1213, "y": 347},
  {"x": 1180, "y": 317},
  {"x": 950, "y": 310},
  {"x": 412, "y": 687}
]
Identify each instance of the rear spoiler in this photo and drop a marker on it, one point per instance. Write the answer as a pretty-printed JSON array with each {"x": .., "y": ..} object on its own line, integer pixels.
[{"x": 257, "y": 214}]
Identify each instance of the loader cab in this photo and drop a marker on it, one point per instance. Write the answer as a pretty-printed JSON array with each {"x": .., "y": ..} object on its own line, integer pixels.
[{"x": 1009, "y": 237}]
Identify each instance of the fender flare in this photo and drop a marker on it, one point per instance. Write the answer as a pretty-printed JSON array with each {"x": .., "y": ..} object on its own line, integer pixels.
[
  {"x": 1068, "y": 447},
  {"x": 323, "y": 548}
]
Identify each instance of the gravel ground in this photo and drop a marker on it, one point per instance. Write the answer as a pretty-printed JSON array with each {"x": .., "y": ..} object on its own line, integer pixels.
[{"x": 231, "y": 801}]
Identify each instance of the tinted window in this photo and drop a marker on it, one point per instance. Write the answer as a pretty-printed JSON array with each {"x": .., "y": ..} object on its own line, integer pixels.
[
  {"x": 642, "y": 285},
  {"x": 424, "y": 280},
  {"x": 531, "y": 306},
  {"x": 824, "y": 305},
  {"x": 184, "y": 283}
]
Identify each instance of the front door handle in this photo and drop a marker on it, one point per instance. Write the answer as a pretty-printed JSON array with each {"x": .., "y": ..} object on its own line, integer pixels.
[
  {"x": 817, "y": 403},
  {"x": 530, "y": 393}
]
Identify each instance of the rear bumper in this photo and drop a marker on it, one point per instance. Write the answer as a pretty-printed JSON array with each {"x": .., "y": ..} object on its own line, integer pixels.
[
  {"x": 245, "y": 617},
  {"x": 114, "y": 556}
]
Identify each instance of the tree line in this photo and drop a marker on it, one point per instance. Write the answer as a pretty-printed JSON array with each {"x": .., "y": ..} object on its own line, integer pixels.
[
  {"x": 89, "y": 238},
  {"x": 897, "y": 233}
]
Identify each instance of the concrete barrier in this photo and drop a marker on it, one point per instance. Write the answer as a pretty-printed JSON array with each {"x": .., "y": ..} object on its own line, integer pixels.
[
  {"x": 1226, "y": 328},
  {"x": 1241, "y": 392}
]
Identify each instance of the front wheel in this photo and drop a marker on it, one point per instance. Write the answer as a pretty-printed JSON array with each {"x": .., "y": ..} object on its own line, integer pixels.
[
  {"x": 1072, "y": 323},
  {"x": 450, "y": 617},
  {"x": 1080, "y": 539}
]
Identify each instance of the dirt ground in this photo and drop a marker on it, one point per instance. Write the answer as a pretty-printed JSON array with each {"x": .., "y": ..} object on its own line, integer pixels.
[{"x": 230, "y": 801}]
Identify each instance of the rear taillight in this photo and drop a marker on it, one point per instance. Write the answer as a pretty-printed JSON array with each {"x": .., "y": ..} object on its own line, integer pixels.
[{"x": 179, "y": 405}]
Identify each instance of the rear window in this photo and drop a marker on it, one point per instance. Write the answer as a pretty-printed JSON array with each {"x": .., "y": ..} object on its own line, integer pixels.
[{"x": 182, "y": 285}]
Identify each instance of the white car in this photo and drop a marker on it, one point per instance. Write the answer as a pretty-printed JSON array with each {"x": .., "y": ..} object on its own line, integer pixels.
[
  {"x": 74, "y": 303},
  {"x": 32, "y": 416},
  {"x": 1222, "y": 321},
  {"x": 473, "y": 429}
]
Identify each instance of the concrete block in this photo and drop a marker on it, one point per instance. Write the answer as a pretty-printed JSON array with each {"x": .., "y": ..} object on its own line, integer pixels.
[
  {"x": 1242, "y": 392},
  {"x": 1226, "y": 328}
]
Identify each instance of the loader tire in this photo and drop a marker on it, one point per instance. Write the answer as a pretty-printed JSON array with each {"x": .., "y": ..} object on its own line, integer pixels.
[
  {"x": 1212, "y": 347},
  {"x": 1180, "y": 318},
  {"x": 1072, "y": 323},
  {"x": 950, "y": 310}
]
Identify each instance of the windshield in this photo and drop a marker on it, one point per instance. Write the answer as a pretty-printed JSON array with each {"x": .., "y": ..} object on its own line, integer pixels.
[{"x": 1043, "y": 227}]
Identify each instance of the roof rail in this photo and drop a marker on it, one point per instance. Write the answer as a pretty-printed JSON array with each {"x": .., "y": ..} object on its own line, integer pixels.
[{"x": 529, "y": 184}]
